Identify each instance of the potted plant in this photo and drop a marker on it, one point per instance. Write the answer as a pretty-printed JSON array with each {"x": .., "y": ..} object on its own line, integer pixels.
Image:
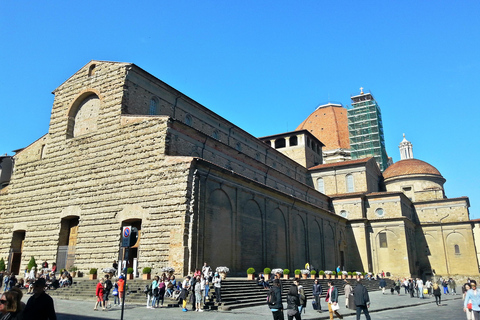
[
  {"x": 297, "y": 273},
  {"x": 313, "y": 274},
  {"x": 130, "y": 273},
  {"x": 266, "y": 273},
  {"x": 334, "y": 274},
  {"x": 222, "y": 271},
  {"x": 328, "y": 274},
  {"x": 344, "y": 274},
  {"x": 349, "y": 275},
  {"x": 321, "y": 274},
  {"x": 251, "y": 274},
  {"x": 73, "y": 271},
  {"x": 305, "y": 273},
  {"x": 93, "y": 274},
  {"x": 286, "y": 274},
  {"x": 2, "y": 265},
  {"x": 146, "y": 273}
]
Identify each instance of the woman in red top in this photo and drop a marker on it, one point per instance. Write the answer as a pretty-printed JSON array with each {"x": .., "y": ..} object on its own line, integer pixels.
[{"x": 99, "y": 294}]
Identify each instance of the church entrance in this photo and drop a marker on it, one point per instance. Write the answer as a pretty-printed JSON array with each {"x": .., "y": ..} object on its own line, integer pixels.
[
  {"x": 67, "y": 242},
  {"x": 15, "y": 255},
  {"x": 132, "y": 261}
]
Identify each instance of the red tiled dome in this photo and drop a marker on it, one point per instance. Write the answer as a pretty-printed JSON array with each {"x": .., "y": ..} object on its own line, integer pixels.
[
  {"x": 329, "y": 124},
  {"x": 410, "y": 166}
]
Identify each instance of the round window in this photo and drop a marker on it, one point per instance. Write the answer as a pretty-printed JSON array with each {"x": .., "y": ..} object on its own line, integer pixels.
[
  {"x": 343, "y": 213},
  {"x": 379, "y": 212}
]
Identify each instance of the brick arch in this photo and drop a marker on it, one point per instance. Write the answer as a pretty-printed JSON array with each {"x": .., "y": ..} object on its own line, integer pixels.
[
  {"x": 329, "y": 247},
  {"x": 74, "y": 123},
  {"x": 316, "y": 245},
  {"x": 218, "y": 229},
  {"x": 276, "y": 227},
  {"x": 299, "y": 245},
  {"x": 250, "y": 229}
]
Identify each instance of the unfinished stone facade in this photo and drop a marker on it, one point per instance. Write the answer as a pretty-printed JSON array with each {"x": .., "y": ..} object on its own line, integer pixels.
[{"x": 124, "y": 148}]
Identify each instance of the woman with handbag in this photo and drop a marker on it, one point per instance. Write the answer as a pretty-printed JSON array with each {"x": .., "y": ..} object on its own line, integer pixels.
[
  {"x": 293, "y": 301},
  {"x": 469, "y": 302},
  {"x": 332, "y": 300},
  {"x": 474, "y": 295}
]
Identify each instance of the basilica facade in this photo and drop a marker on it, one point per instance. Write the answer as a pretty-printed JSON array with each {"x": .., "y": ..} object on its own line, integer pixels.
[{"x": 124, "y": 148}]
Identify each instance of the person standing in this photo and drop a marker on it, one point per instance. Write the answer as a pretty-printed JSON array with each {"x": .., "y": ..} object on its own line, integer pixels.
[
  {"x": 184, "y": 295},
  {"x": 362, "y": 300},
  {"x": 277, "y": 308},
  {"x": 474, "y": 295},
  {"x": 115, "y": 266},
  {"x": 348, "y": 289},
  {"x": 155, "y": 290},
  {"x": 332, "y": 300},
  {"x": 217, "y": 283},
  {"x": 317, "y": 292},
  {"x": 106, "y": 292},
  {"x": 45, "y": 266},
  {"x": 40, "y": 305},
  {"x": 437, "y": 293},
  {"x": 452, "y": 285},
  {"x": 121, "y": 288},
  {"x": 10, "y": 308},
  {"x": 302, "y": 297},
  {"x": 198, "y": 295},
  {"x": 293, "y": 302},
  {"x": 420, "y": 288}
]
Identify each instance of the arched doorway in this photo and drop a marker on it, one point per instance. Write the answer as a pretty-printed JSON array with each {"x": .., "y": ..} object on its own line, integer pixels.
[
  {"x": 132, "y": 261},
  {"x": 16, "y": 248},
  {"x": 67, "y": 242}
]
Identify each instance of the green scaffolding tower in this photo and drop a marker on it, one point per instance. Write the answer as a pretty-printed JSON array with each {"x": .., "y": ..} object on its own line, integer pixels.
[{"x": 366, "y": 129}]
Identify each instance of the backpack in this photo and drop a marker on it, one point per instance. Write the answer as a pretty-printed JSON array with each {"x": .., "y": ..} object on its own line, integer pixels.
[{"x": 271, "y": 298}]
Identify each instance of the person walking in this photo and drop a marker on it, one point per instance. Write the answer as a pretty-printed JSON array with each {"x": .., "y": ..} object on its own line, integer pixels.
[
  {"x": 420, "y": 288},
  {"x": 362, "y": 300},
  {"x": 40, "y": 305},
  {"x": 277, "y": 307},
  {"x": 99, "y": 294},
  {"x": 332, "y": 300},
  {"x": 468, "y": 311},
  {"x": 437, "y": 293},
  {"x": 382, "y": 283},
  {"x": 348, "y": 290},
  {"x": 302, "y": 297},
  {"x": 293, "y": 302},
  {"x": 106, "y": 292},
  {"x": 474, "y": 295},
  {"x": 317, "y": 292}
]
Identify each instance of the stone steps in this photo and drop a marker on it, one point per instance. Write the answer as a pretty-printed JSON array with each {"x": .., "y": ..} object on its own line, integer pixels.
[{"x": 236, "y": 293}]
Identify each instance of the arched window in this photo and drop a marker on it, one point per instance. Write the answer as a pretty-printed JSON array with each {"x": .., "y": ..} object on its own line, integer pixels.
[
  {"x": 83, "y": 115},
  {"x": 349, "y": 183},
  {"x": 343, "y": 213},
  {"x": 153, "y": 109},
  {"x": 91, "y": 70},
  {"x": 293, "y": 141},
  {"x": 457, "y": 249},
  {"x": 280, "y": 143},
  {"x": 320, "y": 185}
]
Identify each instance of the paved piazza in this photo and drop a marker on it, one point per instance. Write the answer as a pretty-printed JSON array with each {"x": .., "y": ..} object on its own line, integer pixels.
[{"x": 383, "y": 307}]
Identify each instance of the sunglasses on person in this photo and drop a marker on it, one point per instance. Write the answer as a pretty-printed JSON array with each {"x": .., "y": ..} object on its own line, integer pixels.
[{"x": 3, "y": 301}]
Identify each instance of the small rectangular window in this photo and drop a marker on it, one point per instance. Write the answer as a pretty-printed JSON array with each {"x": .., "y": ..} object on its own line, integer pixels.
[{"x": 382, "y": 236}]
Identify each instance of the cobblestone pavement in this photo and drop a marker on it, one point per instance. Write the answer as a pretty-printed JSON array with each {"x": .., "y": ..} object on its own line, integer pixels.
[{"x": 382, "y": 307}]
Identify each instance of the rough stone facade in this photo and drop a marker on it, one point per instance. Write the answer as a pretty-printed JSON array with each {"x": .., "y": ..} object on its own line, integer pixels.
[{"x": 124, "y": 148}]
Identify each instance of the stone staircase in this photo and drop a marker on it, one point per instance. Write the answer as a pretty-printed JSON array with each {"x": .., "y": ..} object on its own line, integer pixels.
[{"x": 236, "y": 292}]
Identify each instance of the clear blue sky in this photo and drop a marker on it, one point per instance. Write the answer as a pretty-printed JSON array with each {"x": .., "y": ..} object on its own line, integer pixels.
[{"x": 265, "y": 65}]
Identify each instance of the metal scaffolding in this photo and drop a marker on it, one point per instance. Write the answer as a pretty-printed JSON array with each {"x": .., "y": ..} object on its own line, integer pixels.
[{"x": 366, "y": 130}]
